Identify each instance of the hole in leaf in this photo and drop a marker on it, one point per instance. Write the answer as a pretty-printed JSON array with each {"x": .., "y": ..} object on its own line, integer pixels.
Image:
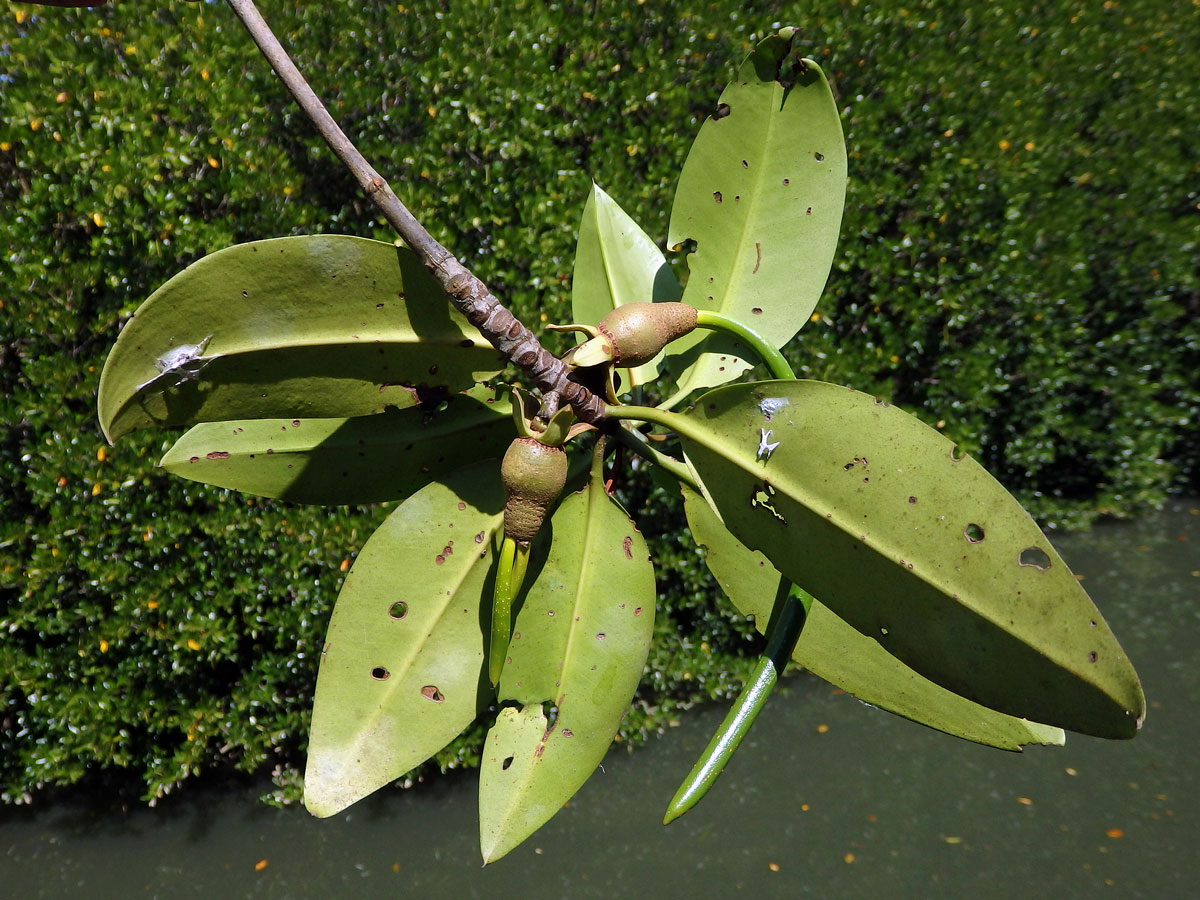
[
  {"x": 722, "y": 111},
  {"x": 1093, "y": 656},
  {"x": 717, "y": 196},
  {"x": 974, "y": 533},
  {"x": 398, "y": 610},
  {"x": 1035, "y": 557},
  {"x": 956, "y": 453},
  {"x": 819, "y": 157},
  {"x": 504, "y": 765},
  {"x": 601, "y": 636},
  {"x": 379, "y": 673},
  {"x": 430, "y": 692}
]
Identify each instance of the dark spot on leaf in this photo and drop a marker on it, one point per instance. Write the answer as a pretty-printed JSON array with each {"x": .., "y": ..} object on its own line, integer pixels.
[
  {"x": 217, "y": 454},
  {"x": 567, "y": 732},
  {"x": 433, "y": 369},
  {"x": 479, "y": 538},
  {"x": 379, "y": 306},
  {"x": 912, "y": 499},
  {"x": 439, "y": 559},
  {"x": 717, "y": 196},
  {"x": 787, "y": 181},
  {"x": 462, "y": 506},
  {"x": 507, "y": 762},
  {"x": 601, "y": 636},
  {"x": 430, "y": 692},
  {"x": 197, "y": 459},
  {"x": 627, "y": 546},
  {"x": 757, "y": 310},
  {"x": 295, "y": 423},
  {"x": 638, "y": 611},
  {"x": 745, "y": 165},
  {"x": 550, "y": 613},
  {"x": 379, "y": 673}
]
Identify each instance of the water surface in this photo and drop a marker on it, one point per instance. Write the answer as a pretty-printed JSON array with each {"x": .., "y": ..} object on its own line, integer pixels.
[{"x": 827, "y": 798}]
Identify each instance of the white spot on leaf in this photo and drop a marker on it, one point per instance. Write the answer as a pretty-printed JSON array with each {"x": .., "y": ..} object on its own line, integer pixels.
[
  {"x": 765, "y": 448},
  {"x": 768, "y": 406}
]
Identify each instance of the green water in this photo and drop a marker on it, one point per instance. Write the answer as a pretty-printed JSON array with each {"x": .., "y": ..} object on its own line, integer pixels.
[{"x": 827, "y": 798}]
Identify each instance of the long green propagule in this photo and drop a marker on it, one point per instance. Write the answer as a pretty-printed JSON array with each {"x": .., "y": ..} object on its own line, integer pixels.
[{"x": 788, "y": 612}]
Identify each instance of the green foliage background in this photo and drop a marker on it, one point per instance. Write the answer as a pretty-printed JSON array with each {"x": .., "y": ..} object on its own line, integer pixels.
[{"x": 1017, "y": 266}]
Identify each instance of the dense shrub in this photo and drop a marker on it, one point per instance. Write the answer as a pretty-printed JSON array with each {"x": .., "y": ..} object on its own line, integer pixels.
[{"x": 1018, "y": 266}]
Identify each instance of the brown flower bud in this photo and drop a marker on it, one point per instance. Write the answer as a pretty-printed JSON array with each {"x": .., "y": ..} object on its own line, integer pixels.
[
  {"x": 534, "y": 475},
  {"x": 638, "y": 331}
]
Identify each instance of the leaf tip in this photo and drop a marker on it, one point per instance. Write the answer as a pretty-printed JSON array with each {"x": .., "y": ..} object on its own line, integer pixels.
[{"x": 327, "y": 791}]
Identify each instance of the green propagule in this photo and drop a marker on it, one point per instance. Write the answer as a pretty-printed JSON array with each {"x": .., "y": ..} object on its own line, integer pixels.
[{"x": 331, "y": 370}]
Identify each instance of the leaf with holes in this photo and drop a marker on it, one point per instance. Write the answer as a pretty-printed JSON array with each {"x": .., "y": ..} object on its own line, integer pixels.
[
  {"x": 365, "y": 459},
  {"x": 831, "y": 649},
  {"x": 913, "y": 544},
  {"x": 578, "y": 648},
  {"x": 310, "y": 326},
  {"x": 617, "y": 263},
  {"x": 761, "y": 195},
  {"x": 402, "y": 670}
]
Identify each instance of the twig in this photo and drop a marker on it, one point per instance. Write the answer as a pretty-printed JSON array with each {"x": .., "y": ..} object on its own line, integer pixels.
[{"x": 465, "y": 291}]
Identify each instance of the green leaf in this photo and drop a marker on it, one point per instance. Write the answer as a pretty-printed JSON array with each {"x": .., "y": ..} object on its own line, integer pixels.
[
  {"x": 365, "y": 459},
  {"x": 617, "y": 263},
  {"x": 578, "y": 648},
  {"x": 402, "y": 669},
  {"x": 761, "y": 194},
  {"x": 915, "y": 545},
  {"x": 833, "y": 650},
  {"x": 311, "y": 326}
]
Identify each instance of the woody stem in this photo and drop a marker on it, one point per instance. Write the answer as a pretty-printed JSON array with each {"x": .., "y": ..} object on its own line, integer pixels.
[{"x": 465, "y": 291}]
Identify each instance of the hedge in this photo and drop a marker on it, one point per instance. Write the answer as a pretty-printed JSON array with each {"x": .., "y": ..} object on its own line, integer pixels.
[{"x": 1017, "y": 266}]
